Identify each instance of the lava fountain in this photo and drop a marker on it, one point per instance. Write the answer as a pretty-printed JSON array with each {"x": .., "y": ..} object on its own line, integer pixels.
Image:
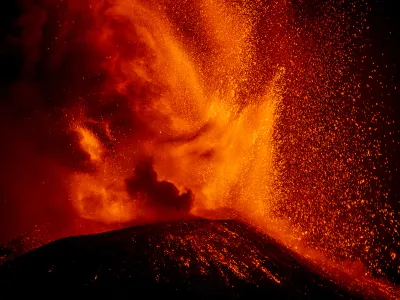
[{"x": 165, "y": 109}]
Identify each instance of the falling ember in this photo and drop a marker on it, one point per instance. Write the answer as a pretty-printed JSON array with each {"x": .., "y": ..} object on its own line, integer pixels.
[{"x": 253, "y": 106}]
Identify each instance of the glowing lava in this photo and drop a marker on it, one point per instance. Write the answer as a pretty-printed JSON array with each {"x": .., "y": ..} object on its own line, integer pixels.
[{"x": 248, "y": 105}]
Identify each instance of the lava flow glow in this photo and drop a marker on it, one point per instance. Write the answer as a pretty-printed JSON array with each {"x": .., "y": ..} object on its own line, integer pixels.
[{"x": 161, "y": 109}]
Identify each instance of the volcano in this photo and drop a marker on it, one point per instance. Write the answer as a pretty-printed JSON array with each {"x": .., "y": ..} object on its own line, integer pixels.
[{"x": 197, "y": 258}]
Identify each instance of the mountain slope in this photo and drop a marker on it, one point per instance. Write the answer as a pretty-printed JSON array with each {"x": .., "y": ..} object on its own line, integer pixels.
[{"x": 196, "y": 258}]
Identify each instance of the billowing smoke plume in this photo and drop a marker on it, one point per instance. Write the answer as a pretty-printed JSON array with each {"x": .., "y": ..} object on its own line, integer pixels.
[
  {"x": 158, "y": 196},
  {"x": 76, "y": 77},
  {"x": 53, "y": 76}
]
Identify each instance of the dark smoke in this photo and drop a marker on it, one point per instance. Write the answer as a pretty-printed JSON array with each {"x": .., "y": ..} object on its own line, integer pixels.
[
  {"x": 52, "y": 61},
  {"x": 157, "y": 195}
]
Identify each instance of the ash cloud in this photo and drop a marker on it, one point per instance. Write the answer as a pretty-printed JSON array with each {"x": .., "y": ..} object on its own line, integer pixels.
[
  {"x": 154, "y": 194},
  {"x": 52, "y": 60}
]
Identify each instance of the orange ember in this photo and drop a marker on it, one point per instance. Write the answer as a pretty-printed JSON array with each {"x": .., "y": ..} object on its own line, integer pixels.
[{"x": 169, "y": 109}]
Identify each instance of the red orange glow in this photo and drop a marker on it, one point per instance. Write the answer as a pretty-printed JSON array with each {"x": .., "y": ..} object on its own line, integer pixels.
[{"x": 235, "y": 101}]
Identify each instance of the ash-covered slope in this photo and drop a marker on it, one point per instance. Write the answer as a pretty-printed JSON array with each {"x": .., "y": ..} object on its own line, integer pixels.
[{"x": 196, "y": 258}]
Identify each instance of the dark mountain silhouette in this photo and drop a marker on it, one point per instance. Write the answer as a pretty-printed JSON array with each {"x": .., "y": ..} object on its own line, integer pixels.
[{"x": 194, "y": 259}]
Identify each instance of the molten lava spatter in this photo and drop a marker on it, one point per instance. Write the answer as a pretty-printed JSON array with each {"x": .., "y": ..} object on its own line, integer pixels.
[
  {"x": 255, "y": 106},
  {"x": 197, "y": 119}
]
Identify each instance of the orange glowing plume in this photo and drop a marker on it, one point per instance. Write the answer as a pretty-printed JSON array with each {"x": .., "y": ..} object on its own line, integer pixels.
[
  {"x": 252, "y": 106},
  {"x": 205, "y": 134}
]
